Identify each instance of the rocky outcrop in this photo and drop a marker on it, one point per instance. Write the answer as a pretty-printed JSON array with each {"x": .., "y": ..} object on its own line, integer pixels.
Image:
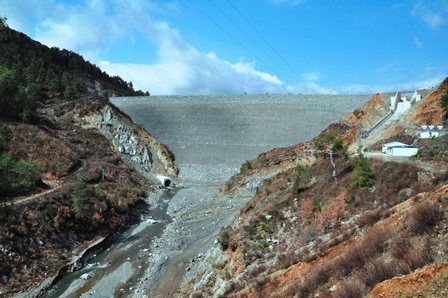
[
  {"x": 429, "y": 281},
  {"x": 429, "y": 111},
  {"x": 369, "y": 113},
  {"x": 133, "y": 142}
]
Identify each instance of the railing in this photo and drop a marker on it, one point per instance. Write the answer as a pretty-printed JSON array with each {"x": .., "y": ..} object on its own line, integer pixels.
[{"x": 379, "y": 123}]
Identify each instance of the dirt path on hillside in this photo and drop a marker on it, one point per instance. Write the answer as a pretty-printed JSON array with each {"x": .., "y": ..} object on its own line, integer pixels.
[{"x": 28, "y": 199}]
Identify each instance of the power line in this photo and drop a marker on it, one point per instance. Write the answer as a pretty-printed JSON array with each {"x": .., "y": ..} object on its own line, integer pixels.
[
  {"x": 231, "y": 36},
  {"x": 261, "y": 36},
  {"x": 248, "y": 36}
]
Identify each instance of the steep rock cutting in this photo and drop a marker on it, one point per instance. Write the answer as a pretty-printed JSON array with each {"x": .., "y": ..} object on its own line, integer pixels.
[{"x": 133, "y": 142}]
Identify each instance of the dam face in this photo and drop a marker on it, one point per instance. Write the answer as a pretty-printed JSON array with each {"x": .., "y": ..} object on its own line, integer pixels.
[{"x": 211, "y": 136}]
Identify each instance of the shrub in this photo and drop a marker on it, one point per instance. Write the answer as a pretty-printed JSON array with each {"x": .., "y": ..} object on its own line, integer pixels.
[
  {"x": 377, "y": 271},
  {"x": 325, "y": 139},
  {"x": 356, "y": 256},
  {"x": 333, "y": 140},
  {"x": 349, "y": 289},
  {"x": 419, "y": 256},
  {"x": 17, "y": 176},
  {"x": 224, "y": 238},
  {"x": 5, "y": 136},
  {"x": 257, "y": 270},
  {"x": 423, "y": 217},
  {"x": 375, "y": 241},
  {"x": 245, "y": 167},
  {"x": 197, "y": 295},
  {"x": 399, "y": 247},
  {"x": 315, "y": 277},
  {"x": 368, "y": 218},
  {"x": 265, "y": 227},
  {"x": 363, "y": 174},
  {"x": 301, "y": 178},
  {"x": 81, "y": 199},
  {"x": 286, "y": 260},
  {"x": 262, "y": 160}
]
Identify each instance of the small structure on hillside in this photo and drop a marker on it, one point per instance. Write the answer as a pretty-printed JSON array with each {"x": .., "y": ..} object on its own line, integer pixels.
[
  {"x": 399, "y": 149},
  {"x": 431, "y": 131},
  {"x": 416, "y": 97},
  {"x": 391, "y": 144},
  {"x": 400, "y": 103}
]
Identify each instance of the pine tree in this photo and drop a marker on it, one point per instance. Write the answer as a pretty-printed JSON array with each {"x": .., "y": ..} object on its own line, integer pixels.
[
  {"x": 363, "y": 173},
  {"x": 81, "y": 199}
]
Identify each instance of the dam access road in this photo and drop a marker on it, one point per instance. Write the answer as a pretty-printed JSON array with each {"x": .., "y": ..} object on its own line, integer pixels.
[{"x": 210, "y": 136}]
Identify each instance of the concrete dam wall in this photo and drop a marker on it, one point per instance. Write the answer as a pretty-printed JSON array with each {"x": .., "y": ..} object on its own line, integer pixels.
[{"x": 211, "y": 136}]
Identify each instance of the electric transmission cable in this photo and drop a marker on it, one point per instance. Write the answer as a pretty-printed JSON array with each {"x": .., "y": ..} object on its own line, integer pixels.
[
  {"x": 232, "y": 36},
  {"x": 262, "y": 37},
  {"x": 249, "y": 37}
]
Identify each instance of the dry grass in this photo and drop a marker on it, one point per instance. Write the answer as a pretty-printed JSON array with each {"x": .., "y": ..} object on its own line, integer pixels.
[
  {"x": 376, "y": 271},
  {"x": 423, "y": 217},
  {"x": 368, "y": 218},
  {"x": 351, "y": 288}
]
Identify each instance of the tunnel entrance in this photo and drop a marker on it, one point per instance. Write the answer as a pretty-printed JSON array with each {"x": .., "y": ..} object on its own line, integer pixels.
[
  {"x": 164, "y": 180},
  {"x": 167, "y": 183}
]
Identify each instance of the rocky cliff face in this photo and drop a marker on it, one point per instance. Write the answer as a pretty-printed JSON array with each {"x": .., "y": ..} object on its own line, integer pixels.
[
  {"x": 370, "y": 112},
  {"x": 133, "y": 142}
]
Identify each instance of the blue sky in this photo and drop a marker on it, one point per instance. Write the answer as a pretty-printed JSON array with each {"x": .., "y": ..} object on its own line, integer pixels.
[{"x": 253, "y": 46}]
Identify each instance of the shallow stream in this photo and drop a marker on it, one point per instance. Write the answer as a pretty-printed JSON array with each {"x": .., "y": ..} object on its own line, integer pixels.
[{"x": 119, "y": 266}]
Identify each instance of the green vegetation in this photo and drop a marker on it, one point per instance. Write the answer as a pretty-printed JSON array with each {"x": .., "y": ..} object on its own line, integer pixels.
[
  {"x": 263, "y": 160},
  {"x": 301, "y": 178},
  {"x": 16, "y": 100},
  {"x": 5, "y": 135},
  {"x": 16, "y": 176},
  {"x": 245, "y": 167},
  {"x": 363, "y": 174},
  {"x": 81, "y": 199},
  {"x": 444, "y": 105},
  {"x": 224, "y": 238},
  {"x": 29, "y": 72},
  {"x": 332, "y": 140},
  {"x": 436, "y": 149}
]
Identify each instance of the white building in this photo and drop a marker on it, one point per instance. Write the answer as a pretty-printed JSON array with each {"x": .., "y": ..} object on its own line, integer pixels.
[
  {"x": 431, "y": 131},
  {"x": 391, "y": 144},
  {"x": 399, "y": 149},
  {"x": 416, "y": 97}
]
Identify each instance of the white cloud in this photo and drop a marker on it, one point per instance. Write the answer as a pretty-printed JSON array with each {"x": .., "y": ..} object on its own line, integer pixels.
[
  {"x": 182, "y": 69},
  {"x": 433, "y": 14}
]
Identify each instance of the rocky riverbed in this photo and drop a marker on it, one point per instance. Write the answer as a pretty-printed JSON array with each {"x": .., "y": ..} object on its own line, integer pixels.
[{"x": 151, "y": 257}]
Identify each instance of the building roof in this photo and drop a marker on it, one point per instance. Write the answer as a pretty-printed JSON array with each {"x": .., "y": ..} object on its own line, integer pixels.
[
  {"x": 394, "y": 144},
  {"x": 405, "y": 146}
]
